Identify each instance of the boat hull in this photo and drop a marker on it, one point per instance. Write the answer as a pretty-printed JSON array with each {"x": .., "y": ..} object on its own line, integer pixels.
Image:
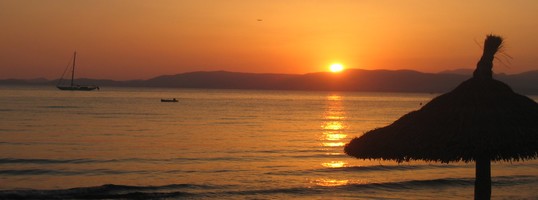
[
  {"x": 78, "y": 87},
  {"x": 169, "y": 100}
]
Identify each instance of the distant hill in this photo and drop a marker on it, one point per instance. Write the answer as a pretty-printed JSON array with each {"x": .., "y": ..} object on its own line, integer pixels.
[
  {"x": 221, "y": 80},
  {"x": 526, "y": 82},
  {"x": 349, "y": 80},
  {"x": 461, "y": 71}
]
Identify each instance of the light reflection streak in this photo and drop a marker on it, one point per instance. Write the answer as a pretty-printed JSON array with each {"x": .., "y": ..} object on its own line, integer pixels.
[
  {"x": 332, "y": 117},
  {"x": 335, "y": 136},
  {"x": 334, "y": 126},
  {"x": 335, "y": 164},
  {"x": 334, "y": 154},
  {"x": 334, "y": 97},
  {"x": 331, "y": 182},
  {"x": 334, "y": 144}
]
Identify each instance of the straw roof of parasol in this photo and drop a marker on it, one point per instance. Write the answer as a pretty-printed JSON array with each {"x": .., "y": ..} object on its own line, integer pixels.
[{"x": 482, "y": 117}]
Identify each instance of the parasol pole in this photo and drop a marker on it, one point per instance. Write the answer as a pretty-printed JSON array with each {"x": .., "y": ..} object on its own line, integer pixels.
[{"x": 482, "y": 184}]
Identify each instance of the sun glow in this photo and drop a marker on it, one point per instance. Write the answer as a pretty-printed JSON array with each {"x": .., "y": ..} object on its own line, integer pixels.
[{"x": 336, "y": 67}]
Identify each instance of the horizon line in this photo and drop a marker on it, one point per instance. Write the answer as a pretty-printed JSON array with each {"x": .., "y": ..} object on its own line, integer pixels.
[{"x": 276, "y": 73}]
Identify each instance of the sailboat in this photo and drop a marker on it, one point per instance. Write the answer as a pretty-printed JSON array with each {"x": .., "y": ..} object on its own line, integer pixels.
[{"x": 73, "y": 86}]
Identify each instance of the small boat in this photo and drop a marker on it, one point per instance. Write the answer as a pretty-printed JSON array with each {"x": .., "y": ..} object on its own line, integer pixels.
[
  {"x": 78, "y": 87},
  {"x": 72, "y": 86},
  {"x": 169, "y": 100}
]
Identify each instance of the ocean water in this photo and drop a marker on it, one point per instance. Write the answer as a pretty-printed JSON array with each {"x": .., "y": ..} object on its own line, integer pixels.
[{"x": 219, "y": 144}]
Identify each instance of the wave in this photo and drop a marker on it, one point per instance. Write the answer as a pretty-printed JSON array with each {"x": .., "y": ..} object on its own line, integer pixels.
[
  {"x": 139, "y": 160},
  {"x": 60, "y": 107},
  {"x": 33, "y": 172},
  {"x": 104, "y": 114},
  {"x": 321, "y": 155},
  {"x": 446, "y": 182},
  {"x": 31, "y": 169},
  {"x": 13, "y": 143},
  {"x": 69, "y": 161},
  {"x": 110, "y": 191},
  {"x": 392, "y": 168},
  {"x": 97, "y": 172},
  {"x": 85, "y": 161},
  {"x": 371, "y": 168},
  {"x": 43, "y": 161},
  {"x": 434, "y": 183}
]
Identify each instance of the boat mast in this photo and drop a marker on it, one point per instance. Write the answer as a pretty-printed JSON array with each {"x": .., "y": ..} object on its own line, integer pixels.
[{"x": 73, "y": 72}]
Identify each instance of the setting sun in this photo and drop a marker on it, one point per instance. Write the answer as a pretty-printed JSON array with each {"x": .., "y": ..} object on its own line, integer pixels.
[{"x": 336, "y": 67}]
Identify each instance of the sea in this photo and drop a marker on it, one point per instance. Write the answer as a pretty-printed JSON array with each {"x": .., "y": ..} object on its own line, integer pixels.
[{"x": 124, "y": 143}]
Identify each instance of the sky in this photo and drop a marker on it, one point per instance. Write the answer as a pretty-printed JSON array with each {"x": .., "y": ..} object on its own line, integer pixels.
[{"x": 142, "y": 39}]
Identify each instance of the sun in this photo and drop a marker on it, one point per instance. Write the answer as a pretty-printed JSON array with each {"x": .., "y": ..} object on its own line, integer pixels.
[{"x": 336, "y": 67}]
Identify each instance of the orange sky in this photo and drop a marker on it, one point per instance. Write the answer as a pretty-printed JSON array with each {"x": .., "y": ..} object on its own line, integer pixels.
[{"x": 135, "y": 39}]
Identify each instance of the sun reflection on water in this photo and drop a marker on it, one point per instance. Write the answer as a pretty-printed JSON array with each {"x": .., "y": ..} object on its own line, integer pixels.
[
  {"x": 333, "y": 135},
  {"x": 333, "y": 125},
  {"x": 334, "y": 144},
  {"x": 334, "y": 164},
  {"x": 332, "y": 117},
  {"x": 331, "y": 182},
  {"x": 334, "y": 97},
  {"x": 334, "y": 154}
]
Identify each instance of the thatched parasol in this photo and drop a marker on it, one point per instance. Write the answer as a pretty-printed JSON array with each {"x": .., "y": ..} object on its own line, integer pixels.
[{"x": 481, "y": 120}]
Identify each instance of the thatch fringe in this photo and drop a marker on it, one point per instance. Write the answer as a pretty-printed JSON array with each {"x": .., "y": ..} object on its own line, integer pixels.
[{"x": 478, "y": 117}]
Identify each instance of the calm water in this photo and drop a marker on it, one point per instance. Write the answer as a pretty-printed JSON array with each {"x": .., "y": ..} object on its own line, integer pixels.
[{"x": 235, "y": 144}]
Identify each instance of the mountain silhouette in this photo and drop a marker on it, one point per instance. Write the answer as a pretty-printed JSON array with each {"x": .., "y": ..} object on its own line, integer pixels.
[{"x": 349, "y": 80}]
